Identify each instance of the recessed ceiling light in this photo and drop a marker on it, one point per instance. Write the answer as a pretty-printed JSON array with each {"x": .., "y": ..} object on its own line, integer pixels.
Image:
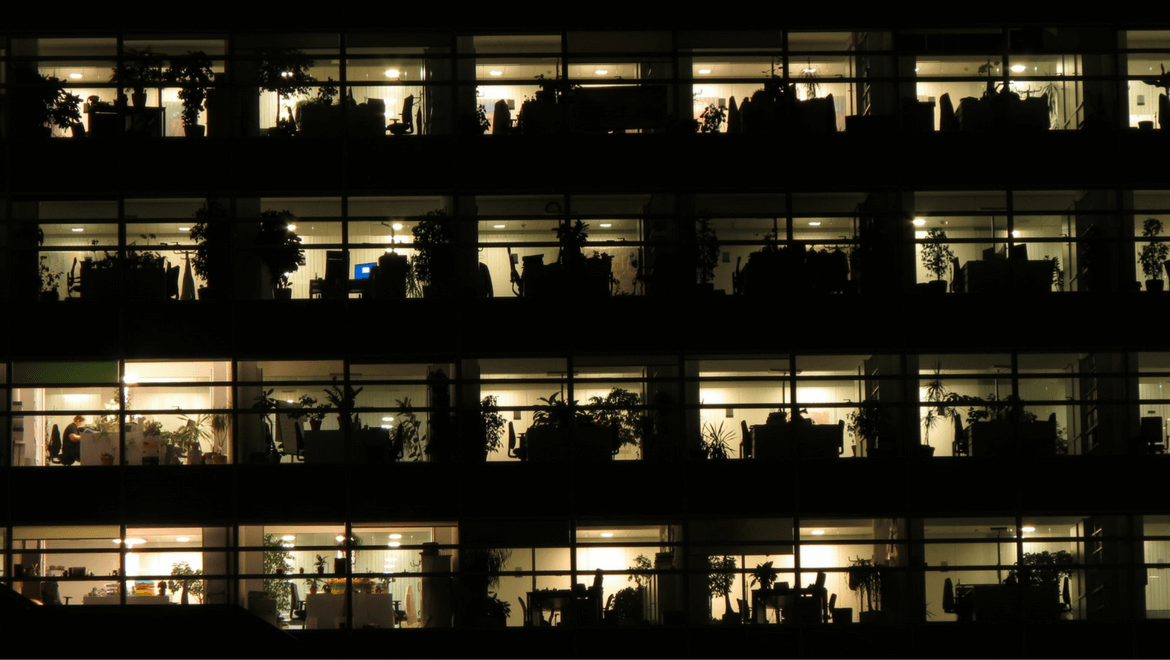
[
  {"x": 130, "y": 378},
  {"x": 392, "y": 73},
  {"x": 184, "y": 229},
  {"x": 814, "y": 223},
  {"x": 704, "y": 71},
  {"x": 339, "y": 538},
  {"x": 1017, "y": 68},
  {"x": 605, "y": 225},
  {"x": 495, "y": 73},
  {"x": 918, "y": 222},
  {"x": 394, "y": 544},
  {"x": 818, "y": 532},
  {"x": 292, "y": 227},
  {"x": 395, "y": 536},
  {"x": 606, "y": 535},
  {"x": 498, "y": 226},
  {"x": 387, "y": 419},
  {"x": 915, "y": 69},
  {"x": 75, "y": 76},
  {"x": 1015, "y": 233},
  {"x": 77, "y": 229},
  {"x": 288, "y": 537},
  {"x": 601, "y": 72},
  {"x": 183, "y": 539},
  {"x": 1027, "y": 528}
]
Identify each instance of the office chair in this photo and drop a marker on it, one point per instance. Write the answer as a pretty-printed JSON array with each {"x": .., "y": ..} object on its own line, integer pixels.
[
  {"x": 959, "y": 446},
  {"x": 501, "y": 118},
  {"x": 513, "y": 451},
  {"x": 745, "y": 444},
  {"x": 296, "y": 609},
  {"x": 406, "y": 125},
  {"x": 336, "y": 285}
]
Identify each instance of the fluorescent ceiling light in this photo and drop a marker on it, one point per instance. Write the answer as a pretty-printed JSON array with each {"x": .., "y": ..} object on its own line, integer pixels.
[
  {"x": 392, "y": 73},
  {"x": 918, "y": 222},
  {"x": 292, "y": 227},
  {"x": 1017, "y": 68},
  {"x": 811, "y": 69},
  {"x": 814, "y": 223},
  {"x": 498, "y": 226},
  {"x": 1027, "y": 528},
  {"x": 1015, "y": 233},
  {"x": 75, "y": 76},
  {"x": 396, "y": 226},
  {"x": 704, "y": 71},
  {"x": 601, "y": 72},
  {"x": 818, "y": 532},
  {"x": 394, "y": 544},
  {"x": 387, "y": 419},
  {"x": 77, "y": 229},
  {"x": 288, "y": 537},
  {"x": 183, "y": 539},
  {"x": 495, "y": 73},
  {"x": 606, "y": 535},
  {"x": 395, "y": 536},
  {"x": 184, "y": 229},
  {"x": 605, "y": 225}
]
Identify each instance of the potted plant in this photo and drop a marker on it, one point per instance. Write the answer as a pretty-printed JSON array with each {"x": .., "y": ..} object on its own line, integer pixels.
[
  {"x": 1153, "y": 255},
  {"x": 50, "y": 281},
  {"x": 343, "y": 400},
  {"x": 40, "y": 104},
  {"x": 720, "y": 581},
  {"x": 406, "y": 439},
  {"x": 285, "y": 72},
  {"x": 434, "y": 262},
  {"x": 937, "y": 410},
  {"x": 220, "y": 427},
  {"x": 713, "y": 117},
  {"x": 314, "y": 411},
  {"x": 765, "y": 576},
  {"x": 1044, "y": 571},
  {"x": 937, "y": 257},
  {"x": 716, "y": 442},
  {"x": 280, "y": 250},
  {"x": 865, "y": 579},
  {"x": 317, "y": 116},
  {"x": 212, "y": 259},
  {"x": 188, "y": 580},
  {"x": 136, "y": 275},
  {"x": 617, "y": 412},
  {"x": 275, "y": 562},
  {"x": 707, "y": 253},
  {"x": 480, "y": 570},
  {"x": 137, "y": 70},
  {"x": 867, "y": 425},
  {"x": 192, "y": 72},
  {"x": 491, "y": 428}
]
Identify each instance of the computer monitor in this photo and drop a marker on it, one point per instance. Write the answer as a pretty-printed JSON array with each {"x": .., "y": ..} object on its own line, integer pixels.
[{"x": 362, "y": 271}]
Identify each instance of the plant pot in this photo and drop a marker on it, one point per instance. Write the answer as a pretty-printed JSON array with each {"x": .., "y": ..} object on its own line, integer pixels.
[
  {"x": 138, "y": 99},
  {"x": 1146, "y": 125},
  {"x": 107, "y": 460},
  {"x": 925, "y": 451},
  {"x": 315, "y": 424},
  {"x": 1157, "y": 286},
  {"x": 282, "y": 294},
  {"x": 320, "y": 570},
  {"x": 872, "y": 616},
  {"x": 195, "y": 131}
]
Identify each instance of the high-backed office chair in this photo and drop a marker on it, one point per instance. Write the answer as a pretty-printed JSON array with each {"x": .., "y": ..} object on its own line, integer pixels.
[
  {"x": 296, "y": 608},
  {"x": 514, "y": 451},
  {"x": 959, "y": 445},
  {"x": 958, "y": 282},
  {"x": 406, "y": 125},
  {"x": 745, "y": 443},
  {"x": 501, "y": 118},
  {"x": 946, "y": 114}
]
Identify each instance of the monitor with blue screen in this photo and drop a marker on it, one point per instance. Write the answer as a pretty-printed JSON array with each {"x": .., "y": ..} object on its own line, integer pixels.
[{"x": 362, "y": 271}]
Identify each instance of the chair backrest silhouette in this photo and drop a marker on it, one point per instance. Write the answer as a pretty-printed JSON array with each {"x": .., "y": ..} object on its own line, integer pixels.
[
  {"x": 406, "y": 125},
  {"x": 336, "y": 275},
  {"x": 745, "y": 443}
]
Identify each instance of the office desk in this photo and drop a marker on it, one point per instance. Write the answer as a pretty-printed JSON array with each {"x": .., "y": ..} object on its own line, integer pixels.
[
  {"x": 1004, "y": 275},
  {"x": 318, "y": 287},
  {"x": 366, "y": 446},
  {"x": 588, "y": 443},
  {"x": 106, "y": 121},
  {"x": 794, "y": 605},
  {"x": 328, "y": 610},
  {"x": 575, "y": 608},
  {"x": 807, "y": 440}
]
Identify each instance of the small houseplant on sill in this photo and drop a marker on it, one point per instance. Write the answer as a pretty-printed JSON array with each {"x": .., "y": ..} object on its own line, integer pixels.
[
  {"x": 50, "y": 282},
  {"x": 38, "y": 104},
  {"x": 617, "y": 412},
  {"x": 1153, "y": 255},
  {"x": 765, "y": 576},
  {"x": 629, "y": 603},
  {"x": 192, "y": 72},
  {"x": 140, "y": 274},
  {"x": 316, "y": 412},
  {"x": 867, "y": 426},
  {"x": 343, "y": 400},
  {"x": 280, "y": 249},
  {"x": 138, "y": 70},
  {"x": 937, "y": 257},
  {"x": 220, "y": 427},
  {"x": 212, "y": 259}
]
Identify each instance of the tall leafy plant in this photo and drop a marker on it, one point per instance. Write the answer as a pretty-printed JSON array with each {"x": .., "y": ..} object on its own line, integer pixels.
[
  {"x": 432, "y": 235},
  {"x": 279, "y": 247},
  {"x": 276, "y": 558},
  {"x": 192, "y": 72},
  {"x": 937, "y": 255},
  {"x": 285, "y": 72},
  {"x": 1153, "y": 253},
  {"x": 721, "y": 578}
]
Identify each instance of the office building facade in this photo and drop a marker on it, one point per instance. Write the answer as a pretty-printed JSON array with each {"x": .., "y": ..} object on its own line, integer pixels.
[{"x": 824, "y": 337}]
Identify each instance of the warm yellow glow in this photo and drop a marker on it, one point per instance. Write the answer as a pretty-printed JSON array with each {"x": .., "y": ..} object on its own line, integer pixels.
[
  {"x": 498, "y": 226},
  {"x": 495, "y": 73},
  {"x": 818, "y": 532},
  {"x": 1017, "y": 68},
  {"x": 606, "y": 535},
  {"x": 393, "y": 73},
  {"x": 918, "y": 222},
  {"x": 75, "y": 76},
  {"x": 704, "y": 71},
  {"x": 288, "y": 537},
  {"x": 601, "y": 72},
  {"x": 396, "y": 226}
]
